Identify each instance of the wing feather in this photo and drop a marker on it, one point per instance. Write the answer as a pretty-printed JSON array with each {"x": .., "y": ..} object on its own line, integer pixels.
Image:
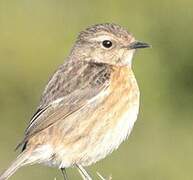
[{"x": 70, "y": 88}]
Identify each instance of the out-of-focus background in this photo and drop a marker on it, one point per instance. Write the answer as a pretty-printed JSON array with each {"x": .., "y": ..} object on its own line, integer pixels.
[{"x": 36, "y": 36}]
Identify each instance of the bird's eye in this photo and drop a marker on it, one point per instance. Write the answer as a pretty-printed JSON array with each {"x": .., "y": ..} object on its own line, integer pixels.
[{"x": 107, "y": 43}]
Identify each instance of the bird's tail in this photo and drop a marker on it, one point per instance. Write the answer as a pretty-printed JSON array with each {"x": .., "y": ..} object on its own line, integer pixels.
[{"x": 15, "y": 165}]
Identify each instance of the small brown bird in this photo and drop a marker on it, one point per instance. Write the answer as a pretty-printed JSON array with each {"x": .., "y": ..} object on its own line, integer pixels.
[{"x": 88, "y": 107}]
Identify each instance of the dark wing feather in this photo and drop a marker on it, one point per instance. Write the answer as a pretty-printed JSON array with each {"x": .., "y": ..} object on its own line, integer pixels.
[{"x": 70, "y": 88}]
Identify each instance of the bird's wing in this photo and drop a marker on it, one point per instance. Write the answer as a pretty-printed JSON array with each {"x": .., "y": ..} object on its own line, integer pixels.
[{"x": 71, "y": 87}]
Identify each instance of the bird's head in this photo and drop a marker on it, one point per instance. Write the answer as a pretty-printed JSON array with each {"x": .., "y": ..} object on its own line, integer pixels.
[{"x": 106, "y": 43}]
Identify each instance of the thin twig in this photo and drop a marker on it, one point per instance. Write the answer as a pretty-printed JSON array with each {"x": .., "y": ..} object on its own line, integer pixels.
[{"x": 102, "y": 178}]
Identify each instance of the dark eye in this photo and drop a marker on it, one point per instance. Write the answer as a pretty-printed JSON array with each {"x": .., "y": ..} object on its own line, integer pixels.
[{"x": 107, "y": 43}]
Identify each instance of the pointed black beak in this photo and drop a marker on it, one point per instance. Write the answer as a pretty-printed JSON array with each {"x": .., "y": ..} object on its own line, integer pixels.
[{"x": 138, "y": 44}]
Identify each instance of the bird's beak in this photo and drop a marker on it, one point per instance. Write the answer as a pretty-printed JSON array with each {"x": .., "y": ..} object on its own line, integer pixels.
[{"x": 138, "y": 44}]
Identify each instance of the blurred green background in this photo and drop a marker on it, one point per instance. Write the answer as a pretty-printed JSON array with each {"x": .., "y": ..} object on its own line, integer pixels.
[{"x": 35, "y": 37}]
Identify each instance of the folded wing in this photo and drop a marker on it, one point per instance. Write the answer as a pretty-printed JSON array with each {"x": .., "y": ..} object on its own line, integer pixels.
[{"x": 72, "y": 87}]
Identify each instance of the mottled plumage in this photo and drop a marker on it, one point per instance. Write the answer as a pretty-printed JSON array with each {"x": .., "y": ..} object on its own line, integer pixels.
[
  {"x": 114, "y": 29},
  {"x": 69, "y": 89},
  {"x": 89, "y": 105}
]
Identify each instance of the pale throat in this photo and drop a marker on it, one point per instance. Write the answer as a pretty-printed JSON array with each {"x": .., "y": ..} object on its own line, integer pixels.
[{"x": 127, "y": 57}]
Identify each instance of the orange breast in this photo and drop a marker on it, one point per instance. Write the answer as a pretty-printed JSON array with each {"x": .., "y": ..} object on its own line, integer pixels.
[
  {"x": 110, "y": 122},
  {"x": 124, "y": 93},
  {"x": 123, "y": 97}
]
